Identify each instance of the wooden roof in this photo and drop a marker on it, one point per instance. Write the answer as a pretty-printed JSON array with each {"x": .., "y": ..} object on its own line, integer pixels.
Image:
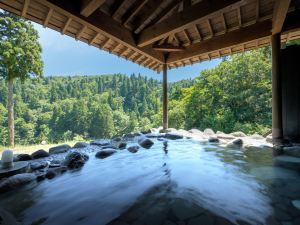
[{"x": 146, "y": 31}]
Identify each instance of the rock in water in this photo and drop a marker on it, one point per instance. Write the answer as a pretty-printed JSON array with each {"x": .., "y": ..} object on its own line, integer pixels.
[
  {"x": 59, "y": 149},
  {"x": 75, "y": 160},
  {"x": 236, "y": 143},
  {"x": 173, "y": 136},
  {"x": 208, "y": 132},
  {"x": 39, "y": 154},
  {"x": 145, "y": 143},
  {"x": 133, "y": 149},
  {"x": 213, "y": 139},
  {"x": 80, "y": 145},
  {"x": 24, "y": 157},
  {"x": 105, "y": 153},
  {"x": 16, "y": 181},
  {"x": 122, "y": 145},
  {"x": 38, "y": 165}
]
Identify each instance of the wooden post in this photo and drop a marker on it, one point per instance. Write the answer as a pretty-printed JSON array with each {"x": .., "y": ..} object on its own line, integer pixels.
[
  {"x": 165, "y": 95},
  {"x": 276, "y": 90}
]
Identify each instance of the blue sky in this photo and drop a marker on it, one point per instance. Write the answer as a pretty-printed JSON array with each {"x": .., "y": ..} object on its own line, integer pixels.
[{"x": 63, "y": 55}]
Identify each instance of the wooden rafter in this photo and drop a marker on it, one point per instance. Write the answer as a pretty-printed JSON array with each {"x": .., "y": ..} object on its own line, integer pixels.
[
  {"x": 116, "y": 47},
  {"x": 90, "y": 6},
  {"x": 132, "y": 12},
  {"x": 211, "y": 32},
  {"x": 187, "y": 36},
  {"x": 104, "y": 43},
  {"x": 78, "y": 35},
  {"x": 168, "y": 48},
  {"x": 118, "y": 7},
  {"x": 66, "y": 25},
  {"x": 94, "y": 39},
  {"x": 187, "y": 3},
  {"x": 224, "y": 22},
  {"x": 238, "y": 10},
  {"x": 183, "y": 20},
  {"x": 233, "y": 38},
  {"x": 280, "y": 10},
  {"x": 257, "y": 10},
  {"x": 165, "y": 11},
  {"x": 104, "y": 24},
  {"x": 48, "y": 17},
  {"x": 198, "y": 32},
  {"x": 25, "y": 8},
  {"x": 152, "y": 7}
]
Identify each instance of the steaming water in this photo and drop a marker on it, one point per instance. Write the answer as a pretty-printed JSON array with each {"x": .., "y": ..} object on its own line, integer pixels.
[{"x": 183, "y": 181}]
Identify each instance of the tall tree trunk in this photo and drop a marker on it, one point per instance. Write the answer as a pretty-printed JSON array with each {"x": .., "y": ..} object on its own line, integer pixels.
[{"x": 10, "y": 106}]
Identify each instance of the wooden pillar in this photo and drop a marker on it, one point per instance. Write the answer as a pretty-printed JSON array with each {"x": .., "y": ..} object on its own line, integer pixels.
[
  {"x": 276, "y": 90},
  {"x": 165, "y": 96}
]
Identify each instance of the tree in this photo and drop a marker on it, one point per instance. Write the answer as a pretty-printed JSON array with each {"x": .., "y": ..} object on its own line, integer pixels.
[{"x": 20, "y": 57}]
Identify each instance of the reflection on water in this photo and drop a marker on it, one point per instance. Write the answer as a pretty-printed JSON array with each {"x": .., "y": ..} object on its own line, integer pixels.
[{"x": 174, "y": 182}]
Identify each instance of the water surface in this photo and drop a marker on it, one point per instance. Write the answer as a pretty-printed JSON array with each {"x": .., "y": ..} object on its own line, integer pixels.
[{"x": 185, "y": 182}]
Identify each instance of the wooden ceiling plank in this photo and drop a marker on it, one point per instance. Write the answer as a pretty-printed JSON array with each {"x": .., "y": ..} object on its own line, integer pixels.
[
  {"x": 132, "y": 12},
  {"x": 115, "y": 47},
  {"x": 66, "y": 25},
  {"x": 184, "y": 19},
  {"x": 280, "y": 10},
  {"x": 48, "y": 17},
  {"x": 259, "y": 30},
  {"x": 104, "y": 43},
  {"x": 90, "y": 6}
]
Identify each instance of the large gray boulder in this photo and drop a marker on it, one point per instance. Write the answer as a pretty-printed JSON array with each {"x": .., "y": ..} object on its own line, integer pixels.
[
  {"x": 145, "y": 143},
  {"x": 75, "y": 160},
  {"x": 208, "y": 132},
  {"x": 16, "y": 181},
  {"x": 173, "y": 136},
  {"x": 105, "y": 153},
  {"x": 59, "y": 149},
  {"x": 80, "y": 145},
  {"x": 236, "y": 143},
  {"x": 39, "y": 154}
]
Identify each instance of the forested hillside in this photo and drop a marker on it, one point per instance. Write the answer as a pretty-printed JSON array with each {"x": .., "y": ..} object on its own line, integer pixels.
[{"x": 235, "y": 95}]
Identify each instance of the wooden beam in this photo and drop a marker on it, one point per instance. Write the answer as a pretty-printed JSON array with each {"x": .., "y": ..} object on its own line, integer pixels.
[
  {"x": 119, "y": 5},
  {"x": 48, "y": 17},
  {"x": 165, "y": 12},
  {"x": 90, "y": 6},
  {"x": 187, "y": 37},
  {"x": 165, "y": 96},
  {"x": 198, "y": 32},
  {"x": 224, "y": 22},
  {"x": 132, "y": 12},
  {"x": 184, "y": 19},
  {"x": 151, "y": 8},
  {"x": 66, "y": 25},
  {"x": 238, "y": 10},
  {"x": 25, "y": 7},
  {"x": 78, "y": 35},
  {"x": 186, "y": 3},
  {"x": 280, "y": 10},
  {"x": 94, "y": 38},
  {"x": 168, "y": 48},
  {"x": 257, "y": 9},
  {"x": 210, "y": 28},
  {"x": 243, "y": 35}
]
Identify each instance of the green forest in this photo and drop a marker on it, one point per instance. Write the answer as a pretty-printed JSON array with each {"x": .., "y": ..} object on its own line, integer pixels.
[{"x": 235, "y": 95}]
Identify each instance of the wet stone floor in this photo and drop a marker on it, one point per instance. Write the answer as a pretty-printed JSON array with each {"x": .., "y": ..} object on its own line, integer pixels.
[{"x": 183, "y": 182}]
